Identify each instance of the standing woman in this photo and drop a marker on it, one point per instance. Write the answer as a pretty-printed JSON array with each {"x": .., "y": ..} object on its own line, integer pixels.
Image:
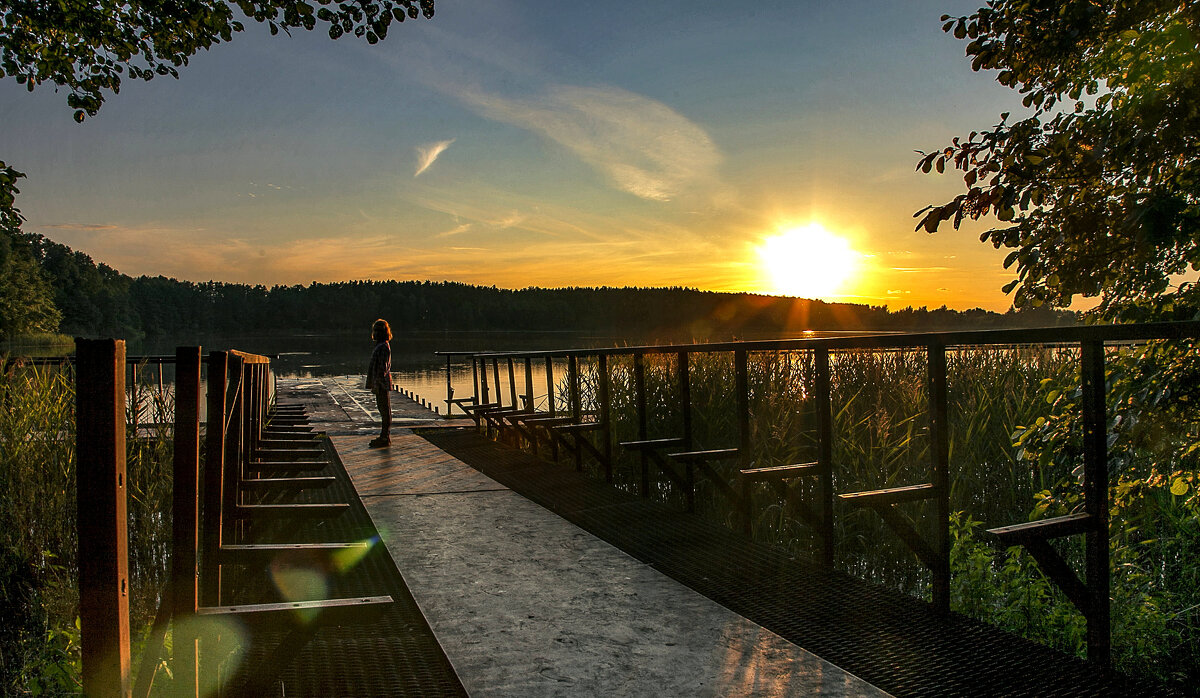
[{"x": 379, "y": 380}]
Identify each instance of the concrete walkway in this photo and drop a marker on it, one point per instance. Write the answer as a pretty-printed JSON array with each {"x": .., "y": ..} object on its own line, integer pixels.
[{"x": 525, "y": 603}]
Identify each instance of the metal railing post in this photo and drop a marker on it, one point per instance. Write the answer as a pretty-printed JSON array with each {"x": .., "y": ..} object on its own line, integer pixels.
[
  {"x": 214, "y": 469},
  {"x": 824, "y": 405},
  {"x": 1095, "y": 487},
  {"x": 185, "y": 592},
  {"x": 102, "y": 518},
  {"x": 940, "y": 453},
  {"x": 685, "y": 409},
  {"x": 741, "y": 387},
  {"x": 639, "y": 393},
  {"x": 605, "y": 416},
  {"x": 512, "y": 382}
]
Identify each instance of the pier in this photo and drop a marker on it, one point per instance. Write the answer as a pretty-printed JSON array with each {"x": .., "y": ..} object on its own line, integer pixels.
[
  {"x": 455, "y": 563},
  {"x": 525, "y": 603},
  {"x": 537, "y": 580}
]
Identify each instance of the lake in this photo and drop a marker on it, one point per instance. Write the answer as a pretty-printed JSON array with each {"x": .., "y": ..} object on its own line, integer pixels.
[{"x": 415, "y": 364}]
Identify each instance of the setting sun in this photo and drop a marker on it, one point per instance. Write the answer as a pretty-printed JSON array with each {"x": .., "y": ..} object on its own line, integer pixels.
[{"x": 808, "y": 261}]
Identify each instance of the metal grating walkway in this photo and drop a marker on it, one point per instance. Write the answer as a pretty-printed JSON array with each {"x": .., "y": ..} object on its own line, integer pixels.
[
  {"x": 885, "y": 638},
  {"x": 396, "y": 655}
]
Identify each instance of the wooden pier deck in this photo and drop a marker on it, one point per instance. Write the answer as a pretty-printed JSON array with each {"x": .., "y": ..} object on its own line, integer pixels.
[{"x": 536, "y": 581}]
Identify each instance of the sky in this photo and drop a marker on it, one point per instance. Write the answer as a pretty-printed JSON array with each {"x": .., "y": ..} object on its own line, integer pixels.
[{"x": 763, "y": 147}]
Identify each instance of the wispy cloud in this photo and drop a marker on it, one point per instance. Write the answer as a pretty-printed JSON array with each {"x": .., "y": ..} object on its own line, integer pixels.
[
  {"x": 460, "y": 228},
  {"x": 427, "y": 154},
  {"x": 643, "y": 146},
  {"x": 80, "y": 226}
]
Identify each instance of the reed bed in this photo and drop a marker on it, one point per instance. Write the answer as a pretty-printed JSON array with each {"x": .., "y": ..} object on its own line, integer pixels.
[
  {"x": 881, "y": 439},
  {"x": 39, "y": 597}
]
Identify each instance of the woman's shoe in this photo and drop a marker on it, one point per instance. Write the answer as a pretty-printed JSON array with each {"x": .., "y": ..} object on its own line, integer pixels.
[{"x": 379, "y": 442}]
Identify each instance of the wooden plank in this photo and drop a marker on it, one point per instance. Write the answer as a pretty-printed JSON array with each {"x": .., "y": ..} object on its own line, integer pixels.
[
  {"x": 290, "y": 511},
  {"x": 780, "y": 472},
  {"x": 712, "y": 454},
  {"x": 651, "y": 444},
  {"x": 1045, "y": 529},
  {"x": 893, "y": 495},
  {"x": 267, "y": 443},
  {"x": 262, "y": 553},
  {"x": 576, "y": 428},
  {"x": 102, "y": 518},
  {"x": 287, "y": 465},
  {"x": 288, "y": 453},
  {"x": 289, "y": 483},
  {"x": 305, "y": 613}
]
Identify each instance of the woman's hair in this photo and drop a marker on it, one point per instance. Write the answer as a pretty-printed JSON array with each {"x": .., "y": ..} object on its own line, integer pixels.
[{"x": 380, "y": 332}]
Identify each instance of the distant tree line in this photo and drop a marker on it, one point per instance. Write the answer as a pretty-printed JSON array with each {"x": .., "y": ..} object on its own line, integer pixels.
[{"x": 77, "y": 296}]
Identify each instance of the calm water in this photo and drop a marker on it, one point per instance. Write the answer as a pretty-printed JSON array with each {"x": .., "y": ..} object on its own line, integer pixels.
[{"x": 415, "y": 364}]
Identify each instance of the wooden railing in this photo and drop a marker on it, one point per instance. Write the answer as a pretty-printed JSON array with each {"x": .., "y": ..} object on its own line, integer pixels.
[
  {"x": 247, "y": 434},
  {"x": 680, "y": 462}
]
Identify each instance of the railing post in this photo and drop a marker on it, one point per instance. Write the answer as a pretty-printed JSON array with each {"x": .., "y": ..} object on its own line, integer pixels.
[
  {"x": 639, "y": 396},
  {"x": 449, "y": 388},
  {"x": 573, "y": 393},
  {"x": 102, "y": 519},
  {"x": 940, "y": 453},
  {"x": 741, "y": 386},
  {"x": 550, "y": 406},
  {"x": 605, "y": 416},
  {"x": 824, "y": 405},
  {"x": 185, "y": 592},
  {"x": 685, "y": 408},
  {"x": 1095, "y": 487},
  {"x": 214, "y": 469},
  {"x": 496, "y": 375},
  {"x": 529, "y": 384},
  {"x": 512, "y": 382},
  {"x": 234, "y": 448},
  {"x": 480, "y": 398}
]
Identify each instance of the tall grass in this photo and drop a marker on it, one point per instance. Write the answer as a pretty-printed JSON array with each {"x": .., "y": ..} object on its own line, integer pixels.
[
  {"x": 881, "y": 439},
  {"x": 39, "y": 596}
]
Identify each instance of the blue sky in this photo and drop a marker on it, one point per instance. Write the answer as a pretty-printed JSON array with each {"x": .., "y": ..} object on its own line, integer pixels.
[{"x": 532, "y": 143}]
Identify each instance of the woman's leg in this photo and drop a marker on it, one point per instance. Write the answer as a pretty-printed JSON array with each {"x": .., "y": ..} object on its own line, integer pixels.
[{"x": 383, "y": 400}]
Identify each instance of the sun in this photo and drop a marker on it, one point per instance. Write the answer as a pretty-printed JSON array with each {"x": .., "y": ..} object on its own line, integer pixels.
[{"x": 808, "y": 261}]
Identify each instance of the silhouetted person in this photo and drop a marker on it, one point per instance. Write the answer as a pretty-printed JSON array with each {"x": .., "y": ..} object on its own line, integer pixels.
[{"x": 379, "y": 380}]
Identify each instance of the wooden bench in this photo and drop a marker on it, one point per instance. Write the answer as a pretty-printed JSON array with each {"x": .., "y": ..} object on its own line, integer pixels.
[
  {"x": 1035, "y": 536},
  {"x": 775, "y": 473},
  {"x": 883, "y": 502}
]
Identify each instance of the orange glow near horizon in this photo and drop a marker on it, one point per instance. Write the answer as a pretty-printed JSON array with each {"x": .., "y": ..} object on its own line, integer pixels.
[{"x": 808, "y": 261}]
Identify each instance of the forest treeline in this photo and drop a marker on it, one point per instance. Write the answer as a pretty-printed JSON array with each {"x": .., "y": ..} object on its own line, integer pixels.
[{"x": 95, "y": 299}]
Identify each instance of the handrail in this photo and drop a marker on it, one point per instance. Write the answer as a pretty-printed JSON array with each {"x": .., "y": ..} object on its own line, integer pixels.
[{"x": 1038, "y": 335}]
